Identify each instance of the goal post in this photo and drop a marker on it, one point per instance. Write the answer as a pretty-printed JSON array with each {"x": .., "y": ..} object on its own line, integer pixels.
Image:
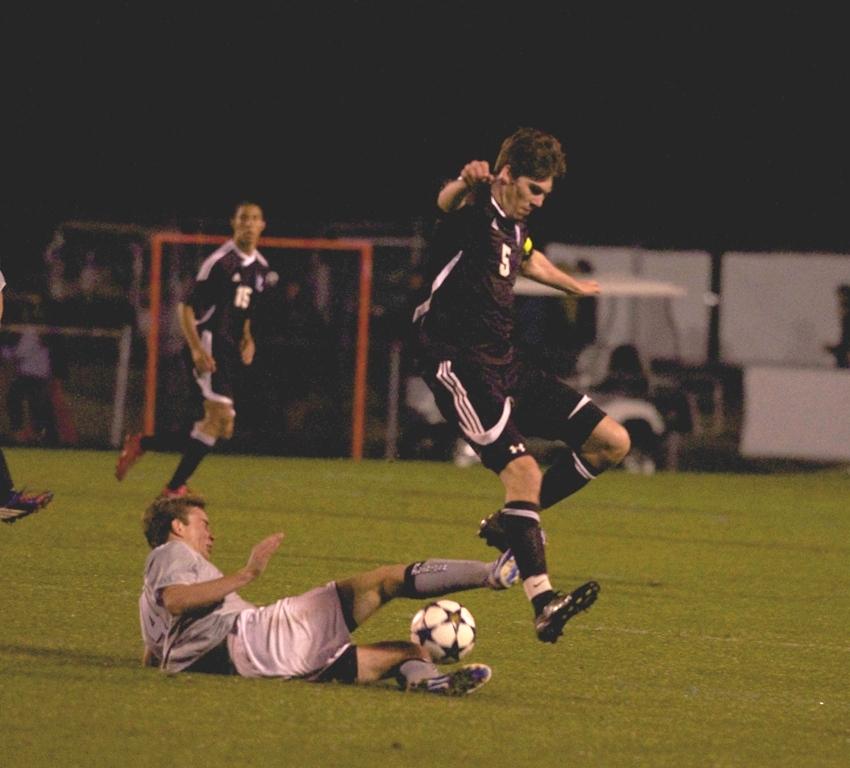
[{"x": 362, "y": 247}]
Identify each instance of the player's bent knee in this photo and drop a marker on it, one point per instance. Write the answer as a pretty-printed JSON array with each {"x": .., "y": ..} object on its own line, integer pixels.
[
  {"x": 619, "y": 444},
  {"x": 220, "y": 418},
  {"x": 607, "y": 445},
  {"x": 225, "y": 420},
  {"x": 227, "y": 428}
]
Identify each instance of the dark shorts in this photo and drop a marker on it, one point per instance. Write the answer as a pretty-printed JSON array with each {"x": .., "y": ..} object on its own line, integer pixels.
[
  {"x": 496, "y": 407},
  {"x": 218, "y": 386}
]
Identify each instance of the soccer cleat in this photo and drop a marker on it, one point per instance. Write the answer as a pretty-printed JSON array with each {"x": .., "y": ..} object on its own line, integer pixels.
[
  {"x": 549, "y": 623},
  {"x": 504, "y": 573},
  {"x": 173, "y": 493},
  {"x": 20, "y": 504},
  {"x": 492, "y": 531},
  {"x": 131, "y": 452},
  {"x": 468, "y": 679}
]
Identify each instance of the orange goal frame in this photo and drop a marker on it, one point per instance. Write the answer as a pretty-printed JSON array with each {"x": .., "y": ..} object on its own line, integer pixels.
[{"x": 364, "y": 248}]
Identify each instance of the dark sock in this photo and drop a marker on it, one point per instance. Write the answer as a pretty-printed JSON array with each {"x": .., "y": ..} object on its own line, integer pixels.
[
  {"x": 192, "y": 457},
  {"x": 521, "y": 521},
  {"x": 166, "y": 441},
  {"x": 539, "y": 601},
  {"x": 6, "y": 484},
  {"x": 567, "y": 475}
]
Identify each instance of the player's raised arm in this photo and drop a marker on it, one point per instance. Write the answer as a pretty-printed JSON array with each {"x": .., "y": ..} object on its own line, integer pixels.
[
  {"x": 537, "y": 267},
  {"x": 457, "y": 192},
  {"x": 179, "y": 598}
]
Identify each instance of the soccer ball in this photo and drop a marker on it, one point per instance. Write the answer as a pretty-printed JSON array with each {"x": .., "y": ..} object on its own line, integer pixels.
[{"x": 445, "y": 629}]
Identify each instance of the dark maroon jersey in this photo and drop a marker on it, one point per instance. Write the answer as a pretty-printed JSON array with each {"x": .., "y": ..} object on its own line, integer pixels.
[
  {"x": 474, "y": 258},
  {"x": 224, "y": 291}
]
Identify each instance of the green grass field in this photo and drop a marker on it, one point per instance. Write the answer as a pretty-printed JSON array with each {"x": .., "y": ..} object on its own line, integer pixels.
[{"x": 720, "y": 637}]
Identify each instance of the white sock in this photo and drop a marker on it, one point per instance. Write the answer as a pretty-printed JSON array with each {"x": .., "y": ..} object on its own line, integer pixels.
[
  {"x": 417, "y": 670},
  {"x": 536, "y": 584}
]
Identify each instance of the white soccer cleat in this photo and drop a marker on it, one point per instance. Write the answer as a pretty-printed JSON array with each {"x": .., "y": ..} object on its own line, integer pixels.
[
  {"x": 504, "y": 573},
  {"x": 468, "y": 679}
]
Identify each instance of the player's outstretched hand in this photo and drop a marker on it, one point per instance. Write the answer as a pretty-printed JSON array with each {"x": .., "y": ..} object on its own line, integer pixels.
[
  {"x": 588, "y": 287},
  {"x": 262, "y": 553}
]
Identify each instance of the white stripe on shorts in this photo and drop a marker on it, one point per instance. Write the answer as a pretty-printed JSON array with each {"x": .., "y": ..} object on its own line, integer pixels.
[
  {"x": 581, "y": 403},
  {"x": 582, "y": 469},
  {"x": 470, "y": 421},
  {"x": 205, "y": 379}
]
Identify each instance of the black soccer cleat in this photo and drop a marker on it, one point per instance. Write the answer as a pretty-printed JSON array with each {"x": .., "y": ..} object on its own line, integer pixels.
[
  {"x": 549, "y": 623},
  {"x": 490, "y": 529}
]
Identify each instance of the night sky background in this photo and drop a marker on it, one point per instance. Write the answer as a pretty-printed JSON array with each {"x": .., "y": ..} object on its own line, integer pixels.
[{"x": 684, "y": 127}]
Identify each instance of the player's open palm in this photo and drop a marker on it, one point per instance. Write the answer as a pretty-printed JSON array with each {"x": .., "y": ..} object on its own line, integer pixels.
[{"x": 262, "y": 553}]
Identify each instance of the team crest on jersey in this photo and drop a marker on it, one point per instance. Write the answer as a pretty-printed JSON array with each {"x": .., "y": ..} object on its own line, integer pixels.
[{"x": 237, "y": 278}]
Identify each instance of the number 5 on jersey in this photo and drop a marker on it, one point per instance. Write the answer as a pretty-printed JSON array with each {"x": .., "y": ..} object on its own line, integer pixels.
[{"x": 505, "y": 261}]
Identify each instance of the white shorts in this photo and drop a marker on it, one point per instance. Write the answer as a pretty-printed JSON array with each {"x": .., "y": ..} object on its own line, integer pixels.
[{"x": 294, "y": 637}]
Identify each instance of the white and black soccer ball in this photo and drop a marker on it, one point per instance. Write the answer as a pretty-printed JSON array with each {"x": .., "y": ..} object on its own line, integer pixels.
[{"x": 444, "y": 628}]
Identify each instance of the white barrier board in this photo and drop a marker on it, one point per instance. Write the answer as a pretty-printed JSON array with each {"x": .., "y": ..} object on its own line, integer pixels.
[{"x": 796, "y": 413}]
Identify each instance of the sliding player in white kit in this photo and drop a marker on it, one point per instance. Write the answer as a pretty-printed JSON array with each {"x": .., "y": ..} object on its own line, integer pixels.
[{"x": 193, "y": 619}]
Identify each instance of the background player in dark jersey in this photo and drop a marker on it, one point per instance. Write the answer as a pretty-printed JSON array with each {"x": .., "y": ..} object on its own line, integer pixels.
[
  {"x": 216, "y": 323},
  {"x": 464, "y": 330},
  {"x": 16, "y": 504}
]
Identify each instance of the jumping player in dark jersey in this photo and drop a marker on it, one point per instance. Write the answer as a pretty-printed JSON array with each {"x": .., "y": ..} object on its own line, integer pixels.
[
  {"x": 464, "y": 330},
  {"x": 216, "y": 323}
]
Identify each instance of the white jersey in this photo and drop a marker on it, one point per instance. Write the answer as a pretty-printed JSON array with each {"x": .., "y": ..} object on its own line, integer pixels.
[{"x": 178, "y": 641}]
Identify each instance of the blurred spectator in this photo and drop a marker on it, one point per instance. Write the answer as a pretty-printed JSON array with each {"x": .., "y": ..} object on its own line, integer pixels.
[
  {"x": 57, "y": 286},
  {"x": 283, "y": 391},
  {"x": 626, "y": 374},
  {"x": 841, "y": 351},
  {"x": 28, "y": 399}
]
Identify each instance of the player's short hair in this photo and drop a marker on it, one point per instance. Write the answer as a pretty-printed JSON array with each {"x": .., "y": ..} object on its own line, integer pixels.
[
  {"x": 243, "y": 204},
  {"x": 532, "y": 153},
  {"x": 157, "y": 519}
]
